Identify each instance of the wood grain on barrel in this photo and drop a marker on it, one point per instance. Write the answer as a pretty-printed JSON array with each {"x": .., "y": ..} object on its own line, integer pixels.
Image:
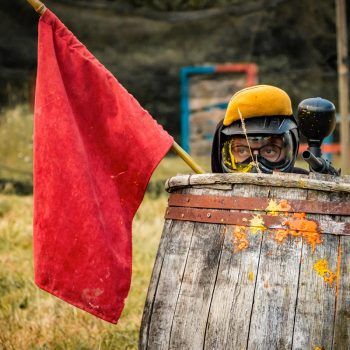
[
  {"x": 147, "y": 311},
  {"x": 234, "y": 289},
  {"x": 316, "y": 299},
  {"x": 341, "y": 340},
  {"x": 272, "y": 318},
  {"x": 189, "y": 324},
  {"x": 329, "y": 184},
  {"x": 200, "y": 274},
  {"x": 169, "y": 283}
]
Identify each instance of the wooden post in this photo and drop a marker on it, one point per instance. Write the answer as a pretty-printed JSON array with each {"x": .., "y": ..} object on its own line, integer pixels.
[{"x": 343, "y": 85}]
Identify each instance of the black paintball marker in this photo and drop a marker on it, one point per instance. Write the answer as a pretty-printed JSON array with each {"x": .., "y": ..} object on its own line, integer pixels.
[{"x": 316, "y": 117}]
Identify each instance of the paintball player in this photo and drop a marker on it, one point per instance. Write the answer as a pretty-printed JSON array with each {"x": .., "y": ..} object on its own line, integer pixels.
[{"x": 258, "y": 134}]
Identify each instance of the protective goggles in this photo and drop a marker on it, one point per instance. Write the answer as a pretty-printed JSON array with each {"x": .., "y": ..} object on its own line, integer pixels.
[{"x": 269, "y": 153}]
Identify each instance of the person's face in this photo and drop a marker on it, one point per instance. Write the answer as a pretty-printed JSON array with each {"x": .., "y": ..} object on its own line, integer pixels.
[{"x": 270, "y": 147}]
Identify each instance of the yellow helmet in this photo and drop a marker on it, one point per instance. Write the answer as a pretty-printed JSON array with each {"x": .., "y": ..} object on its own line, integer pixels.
[
  {"x": 267, "y": 113},
  {"x": 258, "y": 101}
]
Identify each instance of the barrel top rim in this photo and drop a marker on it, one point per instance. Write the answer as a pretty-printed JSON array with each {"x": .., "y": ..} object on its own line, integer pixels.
[{"x": 312, "y": 181}]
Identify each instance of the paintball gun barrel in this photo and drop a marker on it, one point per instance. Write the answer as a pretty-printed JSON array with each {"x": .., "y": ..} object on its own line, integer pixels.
[
  {"x": 316, "y": 118},
  {"x": 318, "y": 164}
]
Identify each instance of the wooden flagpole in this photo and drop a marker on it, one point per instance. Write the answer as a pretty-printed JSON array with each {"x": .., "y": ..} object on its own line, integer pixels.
[
  {"x": 40, "y": 8},
  {"x": 187, "y": 158}
]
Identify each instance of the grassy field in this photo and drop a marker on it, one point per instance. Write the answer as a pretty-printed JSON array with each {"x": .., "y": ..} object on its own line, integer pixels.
[
  {"x": 33, "y": 319},
  {"x": 16, "y": 147}
]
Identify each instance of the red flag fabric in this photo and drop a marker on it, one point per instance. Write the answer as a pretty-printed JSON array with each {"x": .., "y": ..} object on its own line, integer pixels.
[{"x": 95, "y": 149}]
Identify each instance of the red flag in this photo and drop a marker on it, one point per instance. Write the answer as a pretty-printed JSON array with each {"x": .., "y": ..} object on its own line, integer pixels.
[{"x": 95, "y": 149}]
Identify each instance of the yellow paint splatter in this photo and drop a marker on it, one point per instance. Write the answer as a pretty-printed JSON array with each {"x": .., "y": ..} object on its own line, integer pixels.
[
  {"x": 317, "y": 348},
  {"x": 240, "y": 239},
  {"x": 301, "y": 183},
  {"x": 251, "y": 276},
  {"x": 321, "y": 267},
  {"x": 257, "y": 224},
  {"x": 274, "y": 208}
]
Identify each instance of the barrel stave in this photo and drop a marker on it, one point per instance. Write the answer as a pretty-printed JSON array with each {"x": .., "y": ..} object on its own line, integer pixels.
[
  {"x": 197, "y": 284},
  {"x": 230, "y": 309},
  {"x": 169, "y": 284},
  {"x": 341, "y": 338},
  {"x": 189, "y": 323},
  {"x": 314, "y": 314},
  {"x": 272, "y": 319},
  {"x": 148, "y": 308}
]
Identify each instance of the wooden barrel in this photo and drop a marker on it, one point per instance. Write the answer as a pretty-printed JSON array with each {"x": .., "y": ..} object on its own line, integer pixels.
[{"x": 252, "y": 261}]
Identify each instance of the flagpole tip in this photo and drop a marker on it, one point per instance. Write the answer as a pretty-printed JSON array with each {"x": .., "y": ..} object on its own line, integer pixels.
[{"x": 38, "y": 6}]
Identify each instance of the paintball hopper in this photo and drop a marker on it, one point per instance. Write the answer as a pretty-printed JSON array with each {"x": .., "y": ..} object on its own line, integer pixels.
[{"x": 316, "y": 119}]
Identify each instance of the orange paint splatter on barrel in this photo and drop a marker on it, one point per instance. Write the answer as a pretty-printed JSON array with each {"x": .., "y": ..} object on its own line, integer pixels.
[
  {"x": 240, "y": 239},
  {"x": 293, "y": 225},
  {"x": 307, "y": 229},
  {"x": 280, "y": 235},
  {"x": 284, "y": 205}
]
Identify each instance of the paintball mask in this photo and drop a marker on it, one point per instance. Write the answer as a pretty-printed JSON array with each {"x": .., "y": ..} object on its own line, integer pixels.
[
  {"x": 258, "y": 131},
  {"x": 268, "y": 153}
]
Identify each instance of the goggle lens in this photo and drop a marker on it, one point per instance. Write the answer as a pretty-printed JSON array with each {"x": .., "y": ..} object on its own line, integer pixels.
[{"x": 270, "y": 152}]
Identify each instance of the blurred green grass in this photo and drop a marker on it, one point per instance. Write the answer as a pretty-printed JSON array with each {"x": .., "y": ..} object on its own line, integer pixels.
[
  {"x": 16, "y": 146},
  {"x": 32, "y": 319}
]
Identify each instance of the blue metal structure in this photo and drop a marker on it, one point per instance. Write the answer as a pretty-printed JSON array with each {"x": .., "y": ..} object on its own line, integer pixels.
[
  {"x": 185, "y": 73},
  {"x": 250, "y": 69}
]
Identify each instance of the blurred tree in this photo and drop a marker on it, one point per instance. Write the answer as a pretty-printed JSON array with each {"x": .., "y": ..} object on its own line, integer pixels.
[{"x": 145, "y": 42}]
